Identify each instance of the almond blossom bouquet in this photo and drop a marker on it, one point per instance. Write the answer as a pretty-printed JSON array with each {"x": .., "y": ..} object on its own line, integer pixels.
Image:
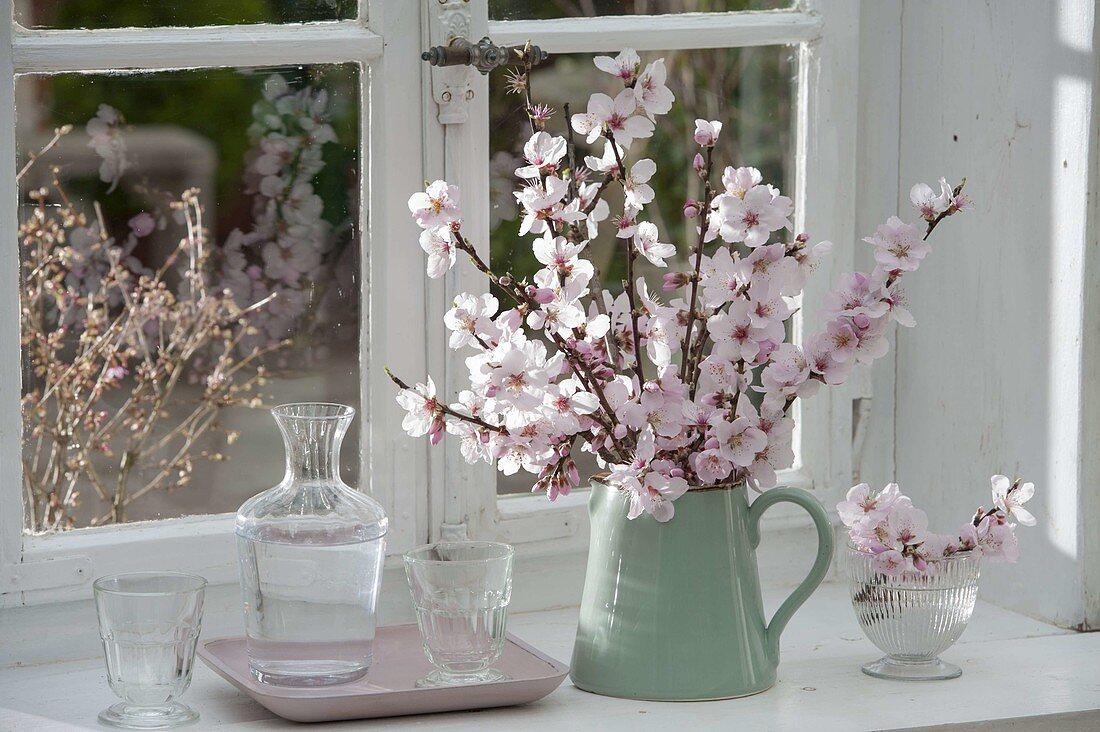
[
  {"x": 887, "y": 524},
  {"x": 669, "y": 396}
]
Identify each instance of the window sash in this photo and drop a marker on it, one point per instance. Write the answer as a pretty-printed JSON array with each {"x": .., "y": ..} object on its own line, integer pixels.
[
  {"x": 828, "y": 38},
  {"x": 678, "y": 32},
  {"x": 36, "y": 569}
]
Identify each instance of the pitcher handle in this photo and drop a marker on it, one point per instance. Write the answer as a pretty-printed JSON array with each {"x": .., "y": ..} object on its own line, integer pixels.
[{"x": 821, "y": 564}]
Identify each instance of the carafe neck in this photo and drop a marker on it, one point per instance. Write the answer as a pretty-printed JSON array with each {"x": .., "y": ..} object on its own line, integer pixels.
[{"x": 313, "y": 434}]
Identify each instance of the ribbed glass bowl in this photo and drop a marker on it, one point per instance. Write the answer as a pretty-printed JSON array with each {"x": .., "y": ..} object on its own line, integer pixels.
[{"x": 914, "y": 617}]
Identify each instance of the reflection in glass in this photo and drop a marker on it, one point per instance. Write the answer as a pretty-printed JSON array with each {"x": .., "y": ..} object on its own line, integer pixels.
[
  {"x": 72, "y": 14},
  {"x": 751, "y": 90},
  {"x": 549, "y": 9},
  {"x": 273, "y": 155}
]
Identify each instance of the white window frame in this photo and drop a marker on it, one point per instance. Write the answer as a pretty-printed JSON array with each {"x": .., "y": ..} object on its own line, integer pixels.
[
  {"x": 38, "y": 569},
  {"x": 827, "y": 34}
]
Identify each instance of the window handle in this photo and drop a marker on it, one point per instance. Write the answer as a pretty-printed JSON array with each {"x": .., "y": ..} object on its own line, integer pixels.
[{"x": 483, "y": 55}]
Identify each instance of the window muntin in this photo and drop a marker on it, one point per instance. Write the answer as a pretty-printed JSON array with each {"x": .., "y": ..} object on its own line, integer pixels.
[
  {"x": 77, "y": 14},
  {"x": 278, "y": 172},
  {"x": 752, "y": 90},
  {"x": 525, "y": 10}
]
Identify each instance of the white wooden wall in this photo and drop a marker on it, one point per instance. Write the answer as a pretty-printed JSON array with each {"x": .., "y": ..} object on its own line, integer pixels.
[{"x": 1001, "y": 373}]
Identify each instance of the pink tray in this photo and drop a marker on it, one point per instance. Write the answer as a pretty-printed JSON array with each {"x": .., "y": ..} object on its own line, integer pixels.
[{"x": 389, "y": 689}]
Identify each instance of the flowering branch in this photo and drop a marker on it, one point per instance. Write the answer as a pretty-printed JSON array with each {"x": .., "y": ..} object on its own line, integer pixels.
[
  {"x": 686, "y": 350},
  {"x": 93, "y": 324},
  {"x": 888, "y": 526},
  {"x": 563, "y": 363}
]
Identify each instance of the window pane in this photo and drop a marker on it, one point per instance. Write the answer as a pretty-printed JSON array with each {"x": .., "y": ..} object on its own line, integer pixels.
[
  {"x": 142, "y": 403},
  {"x": 751, "y": 90},
  {"x": 70, "y": 14},
  {"x": 526, "y": 10}
]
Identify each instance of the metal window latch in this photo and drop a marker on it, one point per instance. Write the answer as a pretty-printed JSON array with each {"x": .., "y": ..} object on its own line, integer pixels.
[
  {"x": 483, "y": 55},
  {"x": 451, "y": 25}
]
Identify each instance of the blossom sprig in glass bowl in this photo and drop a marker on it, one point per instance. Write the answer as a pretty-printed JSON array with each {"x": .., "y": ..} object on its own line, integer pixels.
[
  {"x": 913, "y": 590},
  {"x": 669, "y": 396}
]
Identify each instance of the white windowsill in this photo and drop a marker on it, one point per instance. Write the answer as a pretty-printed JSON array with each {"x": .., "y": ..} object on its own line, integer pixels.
[{"x": 1014, "y": 668}]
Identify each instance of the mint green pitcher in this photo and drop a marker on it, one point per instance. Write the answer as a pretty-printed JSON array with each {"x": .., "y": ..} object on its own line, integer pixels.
[{"x": 672, "y": 611}]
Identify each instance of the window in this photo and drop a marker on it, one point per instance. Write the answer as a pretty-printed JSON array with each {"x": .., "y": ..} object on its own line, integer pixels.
[
  {"x": 791, "y": 110},
  {"x": 186, "y": 86},
  {"x": 280, "y": 117}
]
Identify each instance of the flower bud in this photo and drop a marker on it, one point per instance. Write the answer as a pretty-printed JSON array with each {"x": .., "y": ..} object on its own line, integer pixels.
[
  {"x": 541, "y": 295},
  {"x": 862, "y": 321},
  {"x": 675, "y": 280},
  {"x": 691, "y": 208},
  {"x": 699, "y": 164},
  {"x": 435, "y": 432}
]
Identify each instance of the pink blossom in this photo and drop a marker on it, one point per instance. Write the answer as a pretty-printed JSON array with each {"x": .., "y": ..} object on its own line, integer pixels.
[
  {"x": 435, "y": 206},
  {"x": 711, "y": 466},
  {"x": 627, "y": 224},
  {"x": 928, "y": 202},
  {"x": 706, "y": 133},
  {"x": 645, "y": 241},
  {"x": 787, "y": 372},
  {"x": 542, "y": 153},
  {"x": 891, "y": 562},
  {"x": 422, "y": 409},
  {"x": 864, "y": 506},
  {"x": 997, "y": 540},
  {"x": 115, "y": 373},
  {"x": 624, "y": 66},
  {"x": 752, "y": 218},
  {"x": 636, "y": 191},
  {"x": 771, "y": 264},
  {"x": 739, "y": 441},
  {"x": 1010, "y": 498},
  {"x": 823, "y": 361},
  {"x": 778, "y": 455},
  {"x": 663, "y": 415},
  {"x": 608, "y": 163},
  {"x": 898, "y": 245},
  {"x": 650, "y": 92},
  {"x": 439, "y": 245},
  {"x": 617, "y": 116},
  {"x": 735, "y": 336},
  {"x": 738, "y": 181},
  {"x": 857, "y": 294},
  {"x": 470, "y": 318}
]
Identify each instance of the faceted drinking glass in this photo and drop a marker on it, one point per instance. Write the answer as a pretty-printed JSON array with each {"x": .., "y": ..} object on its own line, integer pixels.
[
  {"x": 460, "y": 591},
  {"x": 916, "y": 616},
  {"x": 150, "y": 624}
]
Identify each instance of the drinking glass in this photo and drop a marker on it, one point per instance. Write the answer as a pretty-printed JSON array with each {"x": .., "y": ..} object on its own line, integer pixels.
[
  {"x": 149, "y": 623},
  {"x": 916, "y": 616},
  {"x": 461, "y": 590}
]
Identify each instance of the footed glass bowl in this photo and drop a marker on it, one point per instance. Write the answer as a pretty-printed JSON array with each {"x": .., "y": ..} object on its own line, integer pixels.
[{"x": 914, "y": 617}]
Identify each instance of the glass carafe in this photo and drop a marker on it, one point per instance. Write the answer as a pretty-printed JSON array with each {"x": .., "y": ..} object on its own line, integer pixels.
[{"x": 311, "y": 552}]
